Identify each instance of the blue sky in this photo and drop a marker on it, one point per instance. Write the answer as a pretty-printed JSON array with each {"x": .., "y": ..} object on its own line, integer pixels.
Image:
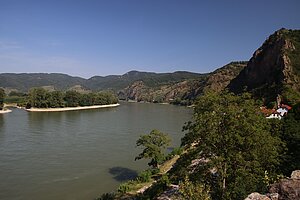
[{"x": 96, "y": 37}]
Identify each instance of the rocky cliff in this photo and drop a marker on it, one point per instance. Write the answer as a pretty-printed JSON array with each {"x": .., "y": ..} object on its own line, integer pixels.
[
  {"x": 284, "y": 189},
  {"x": 273, "y": 69},
  {"x": 183, "y": 92}
]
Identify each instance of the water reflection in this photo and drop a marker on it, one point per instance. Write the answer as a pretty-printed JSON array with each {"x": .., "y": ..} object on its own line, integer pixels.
[
  {"x": 1, "y": 125},
  {"x": 122, "y": 174},
  {"x": 1, "y": 121}
]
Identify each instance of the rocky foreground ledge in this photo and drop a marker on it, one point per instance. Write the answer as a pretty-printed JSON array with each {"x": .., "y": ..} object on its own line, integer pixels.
[
  {"x": 71, "y": 108},
  {"x": 285, "y": 189}
]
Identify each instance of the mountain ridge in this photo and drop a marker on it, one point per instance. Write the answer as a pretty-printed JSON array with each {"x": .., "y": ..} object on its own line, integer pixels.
[
  {"x": 24, "y": 81},
  {"x": 273, "y": 69}
]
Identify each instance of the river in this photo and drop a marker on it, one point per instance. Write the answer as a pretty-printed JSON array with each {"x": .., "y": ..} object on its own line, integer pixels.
[{"x": 78, "y": 154}]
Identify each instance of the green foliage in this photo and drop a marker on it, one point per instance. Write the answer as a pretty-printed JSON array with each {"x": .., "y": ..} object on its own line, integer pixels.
[
  {"x": 55, "y": 99},
  {"x": 236, "y": 140},
  {"x": 290, "y": 96},
  {"x": 23, "y": 82},
  {"x": 291, "y": 136},
  {"x": 38, "y": 97},
  {"x": 154, "y": 145},
  {"x": 145, "y": 176},
  {"x": 157, "y": 188},
  {"x": 124, "y": 187},
  {"x": 72, "y": 98},
  {"x": 268, "y": 180},
  {"x": 15, "y": 99},
  {"x": 193, "y": 190},
  {"x": 107, "y": 196},
  {"x": 174, "y": 152},
  {"x": 2, "y": 95},
  {"x": 41, "y": 98},
  {"x": 16, "y": 94}
]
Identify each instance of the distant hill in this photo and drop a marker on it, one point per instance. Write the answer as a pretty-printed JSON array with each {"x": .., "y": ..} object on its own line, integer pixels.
[
  {"x": 116, "y": 83},
  {"x": 273, "y": 69},
  {"x": 182, "y": 92},
  {"x": 178, "y": 87},
  {"x": 24, "y": 81}
]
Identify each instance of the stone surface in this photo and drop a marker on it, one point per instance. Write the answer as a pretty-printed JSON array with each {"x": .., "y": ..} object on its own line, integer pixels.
[
  {"x": 295, "y": 174},
  {"x": 257, "y": 196},
  {"x": 284, "y": 189},
  {"x": 288, "y": 189}
]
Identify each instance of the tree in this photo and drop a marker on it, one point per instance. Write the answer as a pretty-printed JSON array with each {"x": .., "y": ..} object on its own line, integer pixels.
[
  {"x": 291, "y": 136},
  {"x": 193, "y": 190},
  {"x": 229, "y": 132},
  {"x": 55, "y": 99},
  {"x": 38, "y": 97},
  {"x": 72, "y": 98},
  {"x": 2, "y": 95},
  {"x": 154, "y": 145}
]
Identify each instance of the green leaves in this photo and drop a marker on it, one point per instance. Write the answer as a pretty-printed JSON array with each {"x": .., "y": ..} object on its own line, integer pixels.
[
  {"x": 154, "y": 144},
  {"x": 236, "y": 140},
  {"x": 2, "y": 95},
  {"x": 41, "y": 98}
]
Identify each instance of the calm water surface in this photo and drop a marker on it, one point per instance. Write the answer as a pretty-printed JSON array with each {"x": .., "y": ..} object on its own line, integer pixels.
[{"x": 78, "y": 154}]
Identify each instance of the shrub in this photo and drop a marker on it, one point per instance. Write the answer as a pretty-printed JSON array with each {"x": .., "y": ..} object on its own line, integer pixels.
[
  {"x": 145, "y": 176},
  {"x": 123, "y": 188}
]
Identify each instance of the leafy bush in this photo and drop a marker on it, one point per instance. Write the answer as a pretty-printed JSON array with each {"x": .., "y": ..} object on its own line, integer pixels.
[
  {"x": 124, "y": 187},
  {"x": 107, "y": 196},
  {"x": 145, "y": 176},
  {"x": 194, "y": 191},
  {"x": 174, "y": 152}
]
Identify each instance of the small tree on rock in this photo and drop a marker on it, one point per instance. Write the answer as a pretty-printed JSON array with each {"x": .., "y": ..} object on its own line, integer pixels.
[{"x": 154, "y": 145}]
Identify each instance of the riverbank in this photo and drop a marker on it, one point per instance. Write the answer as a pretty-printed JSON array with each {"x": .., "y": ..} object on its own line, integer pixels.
[
  {"x": 5, "y": 111},
  {"x": 71, "y": 108}
]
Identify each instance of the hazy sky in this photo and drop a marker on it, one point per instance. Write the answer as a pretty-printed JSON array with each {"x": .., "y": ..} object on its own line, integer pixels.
[{"x": 97, "y": 37}]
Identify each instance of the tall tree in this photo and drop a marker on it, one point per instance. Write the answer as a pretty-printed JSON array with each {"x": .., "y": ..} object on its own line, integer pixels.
[
  {"x": 72, "y": 98},
  {"x": 38, "y": 97},
  {"x": 235, "y": 140},
  {"x": 154, "y": 145},
  {"x": 55, "y": 99},
  {"x": 291, "y": 136}
]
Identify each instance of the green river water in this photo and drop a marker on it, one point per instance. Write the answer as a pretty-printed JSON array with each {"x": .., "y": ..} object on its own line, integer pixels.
[{"x": 78, "y": 154}]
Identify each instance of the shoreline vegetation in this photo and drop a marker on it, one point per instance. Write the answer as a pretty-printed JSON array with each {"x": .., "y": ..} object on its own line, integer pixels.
[{"x": 71, "y": 108}]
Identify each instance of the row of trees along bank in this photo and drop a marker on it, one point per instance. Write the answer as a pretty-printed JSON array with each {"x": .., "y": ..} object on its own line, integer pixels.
[
  {"x": 41, "y": 98},
  {"x": 2, "y": 95}
]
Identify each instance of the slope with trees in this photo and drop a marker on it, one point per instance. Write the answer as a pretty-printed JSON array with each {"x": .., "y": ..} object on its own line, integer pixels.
[{"x": 236, "y": 143}]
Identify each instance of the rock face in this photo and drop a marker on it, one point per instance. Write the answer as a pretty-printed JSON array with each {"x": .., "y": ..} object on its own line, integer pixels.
[
  {"x": 285, "y": 189},
  {"x": 186, "y": 90},
  {"x": 220, "y": 78},
  {"x": 273, "y": 67},
  {"x": 138, "y": 91},
  {"x": 289, "y": 188},
  {"x": 257, "y": 196}
]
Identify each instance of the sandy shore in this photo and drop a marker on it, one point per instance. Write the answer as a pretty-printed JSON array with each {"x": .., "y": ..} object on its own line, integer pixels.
[
  {"x": 71, "y": 108},
  {"x": 5, "y": 111}
]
